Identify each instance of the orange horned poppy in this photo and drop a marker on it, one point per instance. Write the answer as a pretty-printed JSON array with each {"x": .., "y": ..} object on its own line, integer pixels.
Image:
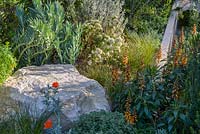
[
  {"x": 48, "y": 124},
  {"x": 55, "y": 84}
]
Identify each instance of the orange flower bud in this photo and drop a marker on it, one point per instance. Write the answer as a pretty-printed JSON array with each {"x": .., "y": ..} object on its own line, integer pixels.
[
  {"x": 55, "y": 84},
  {"x": 125, "y": 60},
  {"x": 115, "y": 75},
  {"x": 194, "y": 29},
  {"x": 159, "y": 55},
  {"x": 182, "y": 36},
  {"x": 48, "y": 124},
  {"x": 184, "y": 60}
]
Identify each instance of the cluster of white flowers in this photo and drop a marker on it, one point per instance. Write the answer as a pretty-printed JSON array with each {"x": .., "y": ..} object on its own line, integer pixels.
[
  {"x": 110, "y": 50},
  {"x": 105, "y": 44}
]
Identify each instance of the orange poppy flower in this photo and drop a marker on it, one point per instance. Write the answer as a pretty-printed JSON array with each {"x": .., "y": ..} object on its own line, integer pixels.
[
  {"x": 48, "y": 124},
  {"x": 55, "y": 84}
]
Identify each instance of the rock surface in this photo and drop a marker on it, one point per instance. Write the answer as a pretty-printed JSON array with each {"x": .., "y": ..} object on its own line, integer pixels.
[{"x": 78, "y": 94}]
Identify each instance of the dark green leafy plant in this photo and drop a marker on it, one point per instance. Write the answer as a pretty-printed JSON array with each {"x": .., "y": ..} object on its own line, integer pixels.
[
  {"x": 7, "y": 19},
  {"x": 147, "y": 98},
  {"x": 145, "y": 15},
  {"x": 169, "y": 101}
]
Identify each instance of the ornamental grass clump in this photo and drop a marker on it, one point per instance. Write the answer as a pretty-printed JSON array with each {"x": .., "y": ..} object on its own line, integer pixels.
[{"x": 141, "y": 47}]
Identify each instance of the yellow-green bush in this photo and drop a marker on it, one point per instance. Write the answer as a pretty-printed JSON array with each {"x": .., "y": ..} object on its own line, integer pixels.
[{"x": 7, "y": 62}]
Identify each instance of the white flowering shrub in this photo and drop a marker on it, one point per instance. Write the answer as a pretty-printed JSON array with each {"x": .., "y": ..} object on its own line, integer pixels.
[
  {"x": 101, "y": 46},
  {"x": 103, "y": 26}
]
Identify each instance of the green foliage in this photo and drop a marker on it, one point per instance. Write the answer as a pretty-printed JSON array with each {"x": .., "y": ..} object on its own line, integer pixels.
[
  {"x": 7, "y": 61},
  {"x": 146, "y": 95},
  {"x": 142, "y": 48},
  {"x": 169, "y": 101},
  {"x": 188, "y": 18},
  {"x": 23, "y": 122},
  {"x": 102, "y": 123},
  {"x": 7, "y": 19},
  {"x": 145, "y": 15},
  {"x": 181, "y": 84},
  {"x": 44, "y": 37},
  {"x": 101, "y": 73}
]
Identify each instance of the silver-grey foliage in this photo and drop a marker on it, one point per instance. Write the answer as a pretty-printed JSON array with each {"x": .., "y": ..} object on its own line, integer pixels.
[{"x": 103, "y": 10}]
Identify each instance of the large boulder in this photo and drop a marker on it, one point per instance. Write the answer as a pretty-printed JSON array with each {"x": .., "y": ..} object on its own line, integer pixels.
[{"x": 78, "y": 94}]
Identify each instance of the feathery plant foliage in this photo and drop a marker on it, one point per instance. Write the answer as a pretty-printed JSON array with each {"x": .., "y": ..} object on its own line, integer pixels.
[{"x": 43, "y": 35}]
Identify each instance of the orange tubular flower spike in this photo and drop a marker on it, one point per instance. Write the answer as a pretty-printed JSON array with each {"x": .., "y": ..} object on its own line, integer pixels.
[
  {"x": 142, "y": 83},
  {"x": 184, "y": 60},
  {"x": 182, "y": 36},
  {"x": 127, "y": 113},
  {"x": 125, "y": 60},
  {"x": 127, "y": 73},
  {"x": 174, "y": 43},
  {"x": 115, "y": 75},
  {"x": 175, "y": 61},
  {"x": 159, "y": 55},
  {"x": 131, "y": 119},
  {"x": 194, "y": 29},
  {"x": 48, "y": 124},
  {"x": 179, "y": 52},
  {"x": 55, "y": 84},
  {"x": 175, "y": 92}
]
